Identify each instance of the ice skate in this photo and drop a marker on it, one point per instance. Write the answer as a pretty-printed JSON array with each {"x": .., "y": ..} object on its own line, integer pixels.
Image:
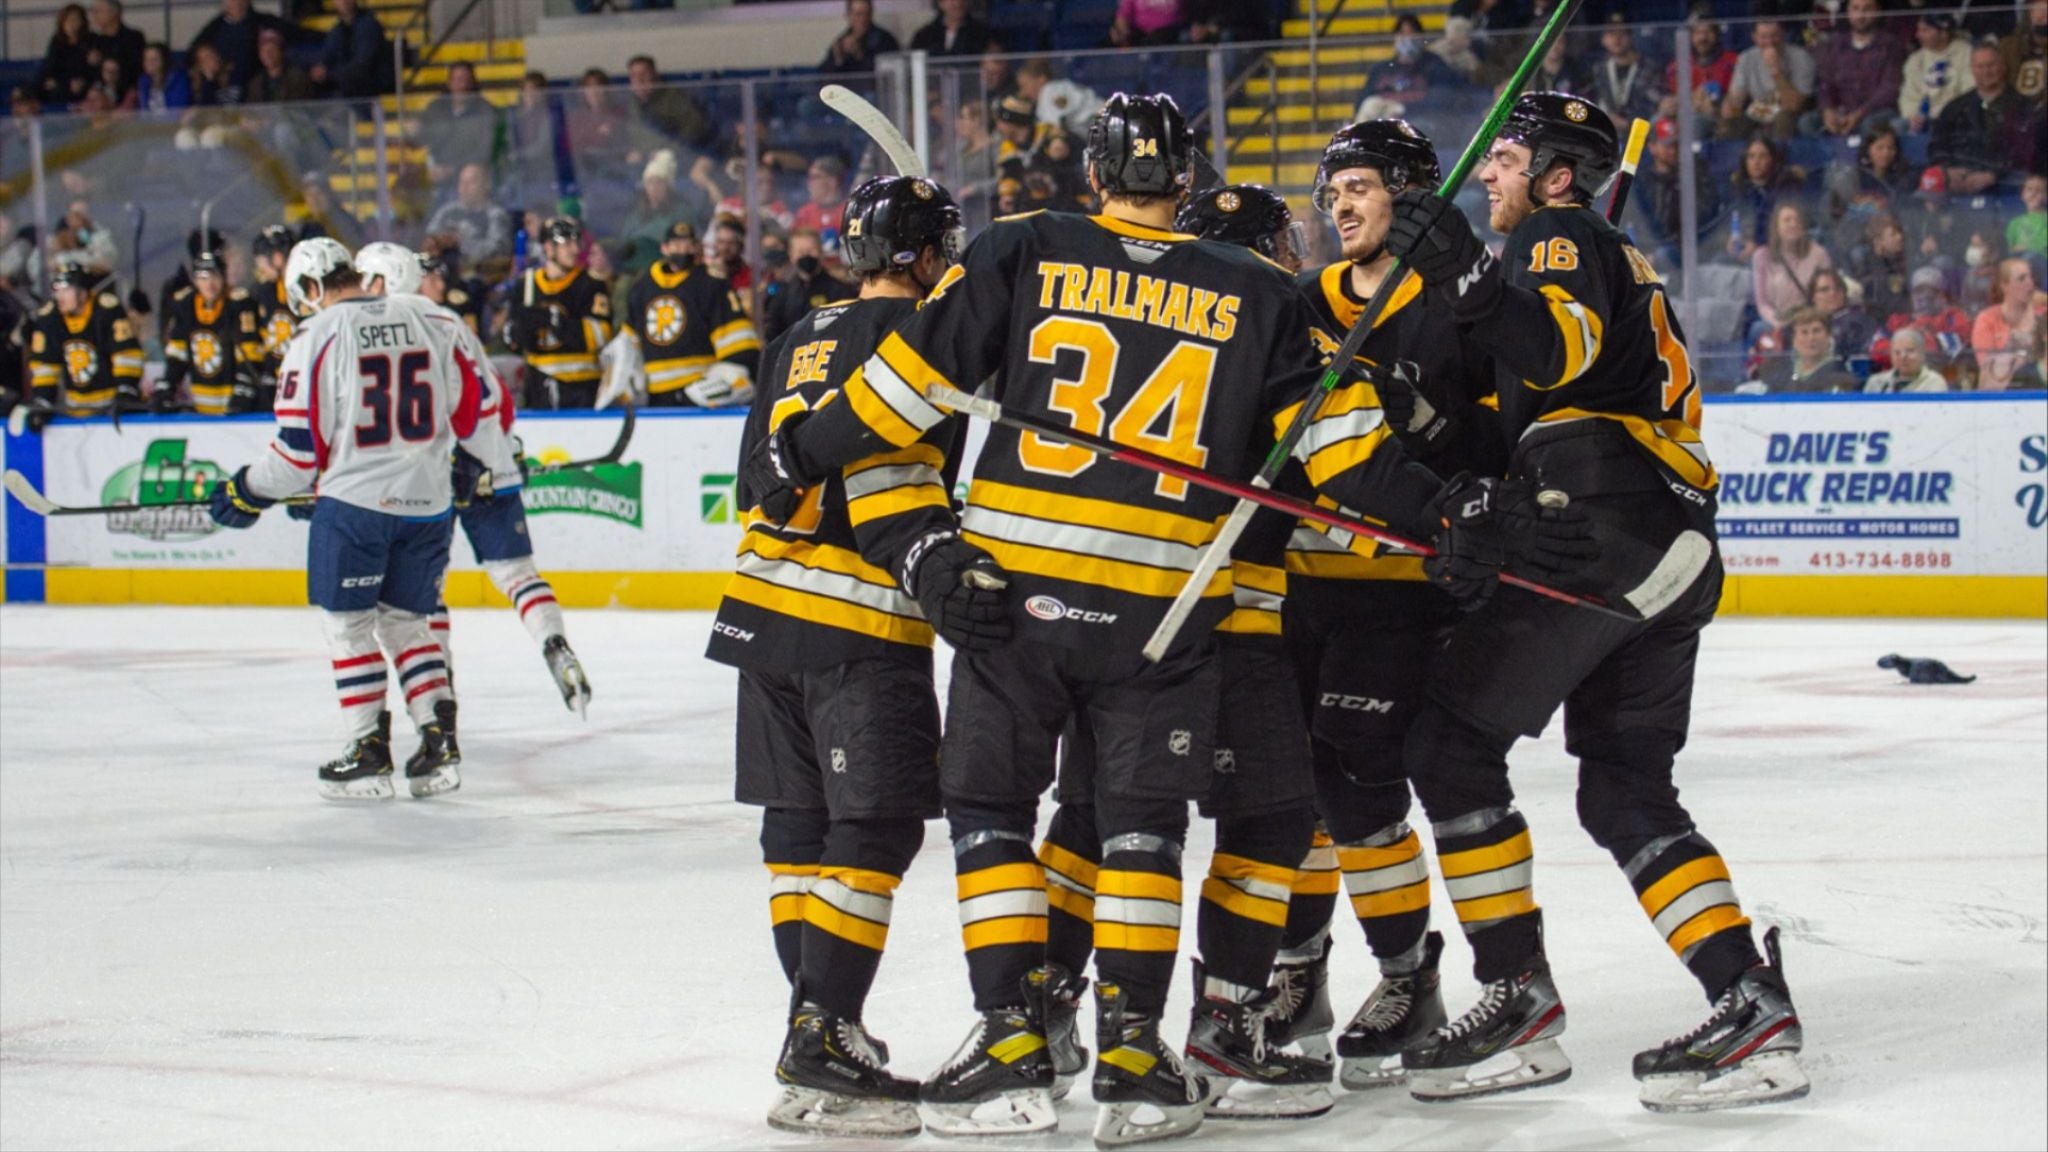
[
  {"x": 1400, "y": 1012},
  {"x": 1300, "y": 1014},
  {"x": 431, "y": 771},
  {"x": 1144, "y": 1091},
  {"x": 1249, "y": 1076},
  {"x": 1000, "y": 1081},
  {"x": 1746, "y": 1051},
  {"x": 1506, "y": 1043},
  {"x": 364, "y": 770},
  {"x": 568, "y": 674},
  {"x": 834, "y": 1082},
  {"x": 1062, "y": 990}
]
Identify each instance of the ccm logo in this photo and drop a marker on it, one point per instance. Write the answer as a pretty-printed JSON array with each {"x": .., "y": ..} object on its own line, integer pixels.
[
  {"x": 361, "y": 581},
  {"x": 739, "y": 634},
  {"x": 1048, "y": 608},
  {"x": 1356, "y": 703}
]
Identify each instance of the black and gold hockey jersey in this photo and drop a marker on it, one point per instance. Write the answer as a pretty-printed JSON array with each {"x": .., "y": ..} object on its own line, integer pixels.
[
  {"x": 274, "y": 318},
  {"x": 79, "y": 362},
  {"x": 213, "y": 346},
  {"x": 1586, "y": 331},
  {"x": 1455, "y": 375},
  {"x": 1193, "y": 350},
  {"x": 805, "y": 593},
  {"x": 562, "y": 329},
  {"x": 687, "y": 319},
  {"x": 465, "y": 298}
]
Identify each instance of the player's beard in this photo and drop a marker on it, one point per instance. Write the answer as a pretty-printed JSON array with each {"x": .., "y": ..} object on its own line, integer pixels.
[
  {"x": 1368, "y": 243},
  {"x": 1507, "y": 213}
]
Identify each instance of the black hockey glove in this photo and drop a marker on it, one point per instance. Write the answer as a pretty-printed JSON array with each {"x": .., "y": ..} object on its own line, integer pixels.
[
  {"x": 775, "y": 473},
  {"x": 138, "y": 301},
  {"x": 1433, "y": 237},
  {"x": 1399, "y": 384},
  {"x": 1490, "y": 526},
  {"x": 164, "y": 400},
  {"x": 468, "y": 477},
  {"x": 961, "y": 589},
  {"x": 243, "y": 396},
  {"x": 233, "y": 505}
]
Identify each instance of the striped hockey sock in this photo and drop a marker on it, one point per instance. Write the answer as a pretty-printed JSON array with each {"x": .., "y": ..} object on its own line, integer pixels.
[
  {"x": 789, "y": 887},
  {"x": 1001, "y": 889},
  {"x": 846, "y": 925},
  {"x": 1683, "y": 885},
  {"x": 1069, "y": 855},
  {"x": 1137, "y": 917},
  {"x": 1488, "y": 864},
  {"x": 438, "y": 625},
  {"x": 1389, "y": 885},
  {"x": 1314, "y": 899},
  {"x": 359, "y": 683},
  {"x": 531, "y": 596},
  {"x": 423, "y": 677}
]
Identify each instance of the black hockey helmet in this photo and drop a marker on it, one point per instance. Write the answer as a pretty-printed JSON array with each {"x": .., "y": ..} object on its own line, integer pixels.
[
  {"x": 197, "y": 242},
  {"x": 1560, "y": 128},
  {"x": 889, "y": 220},
  {"x": 209, "y": 261},
  {"x": 1140, "y": 146},
  {"x": 561, "y": 229},
  {"x": 1403, "y": 157},
  {"x": 276, "y": 240},
  {"x": 1247, "y": 215},
  {"x": 76, "y": 276}
]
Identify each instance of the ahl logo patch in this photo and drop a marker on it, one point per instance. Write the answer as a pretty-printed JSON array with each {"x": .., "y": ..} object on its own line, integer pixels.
[{"x": 1046, "y": 608}]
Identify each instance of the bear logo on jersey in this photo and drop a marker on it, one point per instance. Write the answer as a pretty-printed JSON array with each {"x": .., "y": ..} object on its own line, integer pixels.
[
  {"x": 208, "y": 357},
  {"x": 81, "y": 360},
  {"x": 664, "y": 319}
]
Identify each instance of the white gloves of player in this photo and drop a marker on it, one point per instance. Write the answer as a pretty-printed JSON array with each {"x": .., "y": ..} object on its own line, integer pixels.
[{"x": 724, "y": 385}]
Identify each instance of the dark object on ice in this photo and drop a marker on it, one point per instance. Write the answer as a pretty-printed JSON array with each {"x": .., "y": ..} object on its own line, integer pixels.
[{"x": 1922, "y": 671}]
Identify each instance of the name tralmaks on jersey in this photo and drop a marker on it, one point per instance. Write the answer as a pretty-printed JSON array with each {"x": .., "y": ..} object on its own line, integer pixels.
[
  {"x": 385, "y": 336},
  {"x": 1194, "y": 312}
]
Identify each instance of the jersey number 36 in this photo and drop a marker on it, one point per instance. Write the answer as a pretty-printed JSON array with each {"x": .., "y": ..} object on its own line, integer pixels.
[{"x": 409, "y": 406}]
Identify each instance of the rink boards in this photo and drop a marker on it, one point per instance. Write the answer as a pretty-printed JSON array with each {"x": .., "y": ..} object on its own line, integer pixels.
[{"x": 1902, "y": 506}]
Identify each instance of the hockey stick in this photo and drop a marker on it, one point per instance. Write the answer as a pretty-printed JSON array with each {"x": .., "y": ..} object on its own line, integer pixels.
[
  {"x": 25, "y": 492},
  {"x": 612, "y": 455},
  {"x": 870, "y": 120},
  {"x": 994, "y": 413},
  {"x": 1632, "y": 155},
  {"x": 1218, "y": 551}
]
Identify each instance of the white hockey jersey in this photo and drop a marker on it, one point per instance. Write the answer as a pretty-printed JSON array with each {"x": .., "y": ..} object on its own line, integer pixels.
[
  {"x": 372, "y": 397},
  {"x": 493, "y": 442}
]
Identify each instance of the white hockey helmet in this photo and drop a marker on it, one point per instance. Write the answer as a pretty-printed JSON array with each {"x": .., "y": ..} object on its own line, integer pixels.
[
  {"x": 315, "y": 259},
  {"x": 395, "y": 264}
]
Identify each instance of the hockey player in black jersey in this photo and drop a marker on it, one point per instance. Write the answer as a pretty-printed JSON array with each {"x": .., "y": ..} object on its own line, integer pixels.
[
  {"x": 558, "y": 318},
  {"x": 1192, "y": 350},
  {"x": 213, "y": 339},
  {"x": 82, "y": 353},
  {"x": 274, "y": 315},
  {"x": 838, "y": 721},
  {"x": 696, "y": 339},
  {"x": 1249, "y": 216},
  {"x": 1598, "y": 395},
  {"x": 442, "y": 282}
]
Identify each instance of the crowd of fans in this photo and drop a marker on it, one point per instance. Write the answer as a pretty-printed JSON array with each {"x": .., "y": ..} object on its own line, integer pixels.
[{"x": 1873, "y": 174}]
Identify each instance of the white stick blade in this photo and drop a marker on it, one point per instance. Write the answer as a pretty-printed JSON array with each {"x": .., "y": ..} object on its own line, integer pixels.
[
  {"x": 870, "y": 120},
  {"x": 19, "y": 487},
  {"x": 1682, "y": 564}
]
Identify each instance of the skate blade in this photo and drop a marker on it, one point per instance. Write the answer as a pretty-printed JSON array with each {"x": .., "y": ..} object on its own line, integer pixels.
[
  {"x": 1315, "y": 1047},
  {"x": 1141, "y": 1122},
  {"x": 1365, "y": 1073},
  {"x": 1062, "y": 1084},
  {"x": 1765, "y": 1079},
  {"x": 1010, "y": 1113},
  {"x": 1518, "y": 1069},
  {"x": 810, "y": 1112},
  {"x": 441, "y": 780},
  {"x": 357, "y": 790},
  {"x": 1245, "y": 1100}
]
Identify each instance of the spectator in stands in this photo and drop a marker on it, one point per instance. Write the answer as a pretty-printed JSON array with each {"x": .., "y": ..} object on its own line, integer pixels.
[
  {"x": 596, "y": 126},
  {"x": 980, "y": 154},
  {"x": 1855, "y": 330},
  {"x": 1773, "y": 84},
  {"x": 2026, "y": 53},
  {"x": 1859, "y": 76},
  {"x": 1487, "y": 16},
  {"x": 657, "y": 116},
  {"x": 115, "y": 89},
  {"x": 825, "y": 184},
  {"x": 996, "y": 81},
  {"x": 482, "y": 229},
  {"x": 355, "y": 59},
  {"x": 1059, "y": 102},
  {"x": 1937, "y": 72},
  {"x": 1140, "y": 23},
  {"x": 212, "y": 84},
  {"x": 855, "y": 49},
  {"x": 320, "y": 214},
  {"x": 727, "y": 256},
  {"x": 1408, "y": 78},
  {"x": 2005, "y": 333},
  {"x": 1713, "y": 65},
  {"x": 1986, "y": 139},
  {"x": 769, "y": 206},
  {"x": 1457, "y": 49},
  {"x": 1945, "y": 326},
  {"x": 22, "y": 106},
  {"x": 161, "y": 87},
  {"x": 459, "y": 127},
  {"x": 662, "y": 203},
  {"x": 1754, "y": 191},
  {"x": 1623, "y": 81},
  {"x": 1813, "y": 365},
  {"x": 530, "y": 147},
  {"x": 67, "y": 70},
  {"x": 1909, "y": 371},
  {"x": 1783, "y": 269},
  {"x": 953, "y": 32},
  {"x": 1880, "y": 182},
  {"x": 2028, "y": 232},
  {"x": 233, "y": 33},
  {"x": 111, "y": 39},
  {"x": 1656, "y": 199},
  {"x": 1879, "y": 265},
  {"x": 808, "y": 281},
  {"x": 277, "y": 79},
  {"x": 1230, "y": 21}
]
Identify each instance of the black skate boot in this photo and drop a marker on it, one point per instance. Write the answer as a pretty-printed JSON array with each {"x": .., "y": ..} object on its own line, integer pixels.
[
  {"x": 1249, "y": 1077},
  {"x": 568, "y": 674},
  {"x": 1746, "y": 1052},
  {"x": 431, "y": 771},
  {"x": 1400, "y": 1012},
  {"x": 1062, "y": 991},
  {"x": 1137, "y": 1076},
  {"x": 834, "y": 1082},
  {"x": 1000, "y": 1081},
  {"x": 1519, "y": 1017},
  {"x": 364, "y": 770},
  {"x": 1300, "y": 1013}
]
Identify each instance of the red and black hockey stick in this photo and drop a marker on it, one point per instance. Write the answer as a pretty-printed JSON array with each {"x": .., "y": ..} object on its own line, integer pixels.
[
  {"x": 18, "y": 486},
  {"x": 941, "y": 395},
  {"x": 1631, "y": 156}
]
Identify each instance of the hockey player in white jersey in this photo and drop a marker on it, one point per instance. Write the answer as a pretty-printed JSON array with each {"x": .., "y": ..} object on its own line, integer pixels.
[
  {"x": 489, "y": 473},
  {"x": 372, "y": 397}
]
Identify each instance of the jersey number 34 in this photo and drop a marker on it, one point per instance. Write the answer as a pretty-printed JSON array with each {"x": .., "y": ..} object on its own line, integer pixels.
[{"x": 1164, "y": 417}]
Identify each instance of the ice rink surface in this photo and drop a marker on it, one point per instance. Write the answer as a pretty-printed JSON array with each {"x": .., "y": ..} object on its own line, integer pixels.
[{"x": 572, "y": 951}]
